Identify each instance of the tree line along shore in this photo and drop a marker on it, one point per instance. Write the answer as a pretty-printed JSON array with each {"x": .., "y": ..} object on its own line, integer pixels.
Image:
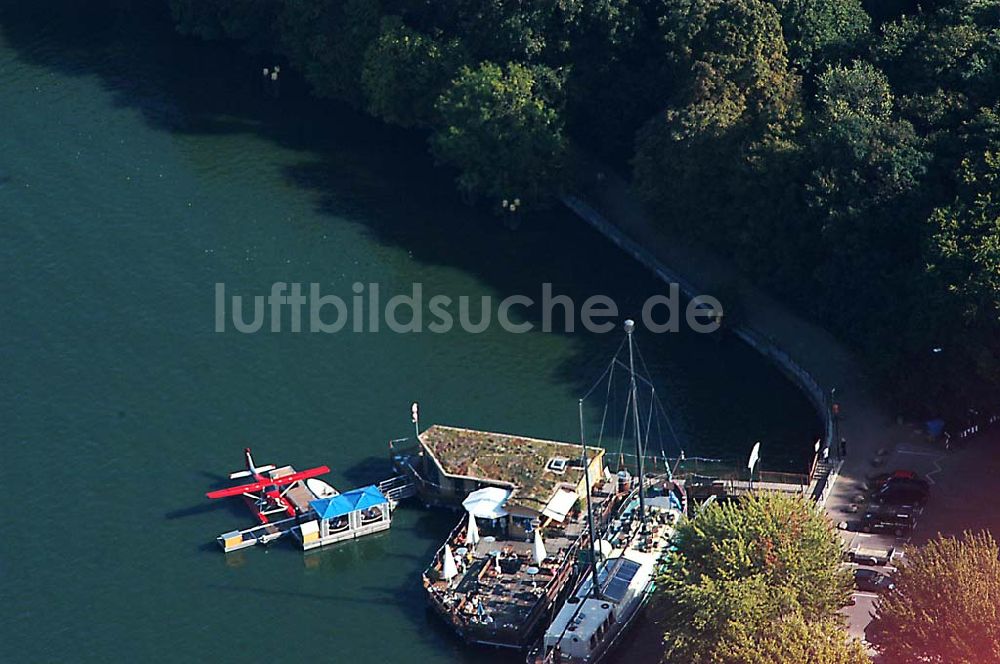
[{"x": 844, "y": 154}]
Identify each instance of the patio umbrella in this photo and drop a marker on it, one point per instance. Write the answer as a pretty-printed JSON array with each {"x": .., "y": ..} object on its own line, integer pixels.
[
  {"x": 449, "y": 569},
  {"x": 487, "y": 503},
  {"x": 473, "y": 531},
  {"x": 538, "y": 549}
]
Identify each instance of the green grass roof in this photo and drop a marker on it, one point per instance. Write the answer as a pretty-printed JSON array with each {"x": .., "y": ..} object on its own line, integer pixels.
[{"x": 500, "y": 457}]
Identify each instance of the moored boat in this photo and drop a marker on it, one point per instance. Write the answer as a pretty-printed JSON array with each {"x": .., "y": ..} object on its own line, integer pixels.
[
  {"x": 613, "y": 590},
  {"x": 593, "y": 619},
  {"x": 320, "y": 489}
]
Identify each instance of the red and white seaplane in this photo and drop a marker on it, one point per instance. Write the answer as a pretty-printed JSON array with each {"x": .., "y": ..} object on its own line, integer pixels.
[{"x": 266, "y": 495}]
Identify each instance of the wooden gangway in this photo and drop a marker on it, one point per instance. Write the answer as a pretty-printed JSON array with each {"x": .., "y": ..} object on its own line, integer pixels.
[{"x": 397, "y": 488}]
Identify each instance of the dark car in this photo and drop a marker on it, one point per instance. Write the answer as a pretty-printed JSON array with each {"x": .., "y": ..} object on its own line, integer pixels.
[
  {"x": 869, "y": 579},
  {"x": 898, "y": 477},
  {"x": 889, "y": 519},
  {"x": 901, "y": 492}
]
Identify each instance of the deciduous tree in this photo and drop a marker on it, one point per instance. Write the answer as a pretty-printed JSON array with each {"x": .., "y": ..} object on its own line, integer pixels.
[
  {"x": 945, "y": 608},
  {"x": 501, "y": 128},
  {"x": 327, "y": 39},
  {"x": 739, "y": 569},
  {"x": 793, "y": 640},
  {"x": 405, "y": 71},
  {"x": 736, "y": 98},
  {"x": 821, "y": 32}
]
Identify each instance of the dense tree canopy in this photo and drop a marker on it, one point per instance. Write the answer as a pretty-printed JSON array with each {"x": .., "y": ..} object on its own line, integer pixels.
[
  {"x": 945, "y": 63},
  {"x": 405, "y": 72},
  {"x": 850, "y": 165},
  {"x": 501, "y": 129},
  {"x": 945, "y": 608},
  {"x": 327, "y": 41},
  {"x": 742, "y": 571},
  {"x": 735, "y": 98},
  {"x": 866, "y": 164},
  {"x": 793, "y": 640},
  {"x": 822, "y": 31}
]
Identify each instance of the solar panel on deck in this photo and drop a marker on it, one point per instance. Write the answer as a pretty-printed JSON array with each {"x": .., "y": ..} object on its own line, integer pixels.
[{"x": 624, "y": 571}]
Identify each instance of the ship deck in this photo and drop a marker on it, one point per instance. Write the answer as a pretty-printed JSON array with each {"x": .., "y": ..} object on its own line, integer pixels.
[
  {"x": 500, "y": 594},
  {"x": 499, "y": 585}
]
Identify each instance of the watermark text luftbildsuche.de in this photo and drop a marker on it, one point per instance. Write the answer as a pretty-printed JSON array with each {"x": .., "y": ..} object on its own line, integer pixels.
[{"x": 297, "y": 307}]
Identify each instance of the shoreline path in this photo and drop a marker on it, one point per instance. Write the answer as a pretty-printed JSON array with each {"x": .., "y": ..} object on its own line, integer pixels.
[{"x": 812, "y": 357}]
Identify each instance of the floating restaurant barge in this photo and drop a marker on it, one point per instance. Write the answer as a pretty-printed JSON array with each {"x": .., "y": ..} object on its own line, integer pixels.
[
  {"x": 507, "y": 567},
  {"x": 545, "y": 477}
]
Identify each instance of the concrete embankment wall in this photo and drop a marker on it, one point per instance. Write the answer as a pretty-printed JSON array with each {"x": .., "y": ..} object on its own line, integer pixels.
[{"x": 755, "y": 339}]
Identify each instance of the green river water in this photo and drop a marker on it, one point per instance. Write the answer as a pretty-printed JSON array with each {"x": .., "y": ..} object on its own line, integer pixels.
[{"x": 137, "y": 169}]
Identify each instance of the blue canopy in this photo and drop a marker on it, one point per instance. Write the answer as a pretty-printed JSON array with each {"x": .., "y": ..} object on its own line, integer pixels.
[{"x": 347, "y": 502}]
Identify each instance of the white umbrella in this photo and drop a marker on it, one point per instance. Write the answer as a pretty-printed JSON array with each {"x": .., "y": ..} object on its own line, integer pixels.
[
  {"x": 487, "y": 503},
  {"x": 538, "y": 550},
  {"x": 473, "y": 531},
  {"x": 449, "y": 569}
]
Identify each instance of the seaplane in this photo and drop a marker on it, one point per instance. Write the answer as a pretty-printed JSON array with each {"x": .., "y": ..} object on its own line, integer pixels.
[{"x": 266, "y": 495}]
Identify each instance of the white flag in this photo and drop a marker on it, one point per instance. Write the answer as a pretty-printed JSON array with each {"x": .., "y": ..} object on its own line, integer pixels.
[
  {"x": 754, "y": 456},
  {"x": 538, "y": 551},
  {"x": 449, "y": 570},
  {"x": 472, "y": 534}
]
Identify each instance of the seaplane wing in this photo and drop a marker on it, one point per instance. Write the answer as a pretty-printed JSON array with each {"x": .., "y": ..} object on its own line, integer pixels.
[
  {"x": 263, "y": 485},
  {"x": 301, "y": 475},
  {"x": 238, "y": 490}
]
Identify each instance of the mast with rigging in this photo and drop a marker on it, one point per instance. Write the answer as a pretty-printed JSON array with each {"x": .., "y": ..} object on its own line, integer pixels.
[{"x": 629, "y": 329}]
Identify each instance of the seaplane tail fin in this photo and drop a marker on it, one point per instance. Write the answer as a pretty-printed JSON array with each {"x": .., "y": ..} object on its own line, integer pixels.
[{"x": 252, "y": 468}]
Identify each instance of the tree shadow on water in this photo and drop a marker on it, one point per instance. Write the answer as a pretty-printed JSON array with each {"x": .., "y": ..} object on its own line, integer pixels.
[{"x": 383, "y": 181}]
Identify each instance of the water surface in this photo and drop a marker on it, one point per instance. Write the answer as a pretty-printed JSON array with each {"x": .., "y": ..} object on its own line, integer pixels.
[{"x": 137, "y": 169}]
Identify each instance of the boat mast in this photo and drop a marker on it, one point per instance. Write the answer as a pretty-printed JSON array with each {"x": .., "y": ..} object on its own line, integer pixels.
[
  {"x": 629, "y": 329},
  {"x": 594, "y": 584}
]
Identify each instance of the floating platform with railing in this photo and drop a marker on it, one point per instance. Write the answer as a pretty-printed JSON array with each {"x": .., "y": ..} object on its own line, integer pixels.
[
  {"x": 320, "y": 514},
  {"x": 265, "y": 533},
  {"x": 349, "y": 515}
]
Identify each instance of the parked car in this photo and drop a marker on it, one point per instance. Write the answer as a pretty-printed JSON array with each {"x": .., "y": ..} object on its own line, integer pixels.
[
  {"x": 895, "y": 477},
  {"x": 901, "y": 492},
  {"x": 889, "y": 519},
  {"x": 872, "y": 580},
  {"x": 872, "y": 555}
]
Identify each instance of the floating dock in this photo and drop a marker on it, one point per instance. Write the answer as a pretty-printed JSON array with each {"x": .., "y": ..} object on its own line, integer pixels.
[
  {"x": 262, "y": 534},
  {"x": 315, "y": 513},
  {"x": 349, "y": 515}
]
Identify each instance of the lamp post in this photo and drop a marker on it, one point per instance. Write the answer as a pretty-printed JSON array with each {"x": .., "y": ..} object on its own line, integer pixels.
[
  {"x": 835, "y": 418},
  {"x": 936, "y": 389}
]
